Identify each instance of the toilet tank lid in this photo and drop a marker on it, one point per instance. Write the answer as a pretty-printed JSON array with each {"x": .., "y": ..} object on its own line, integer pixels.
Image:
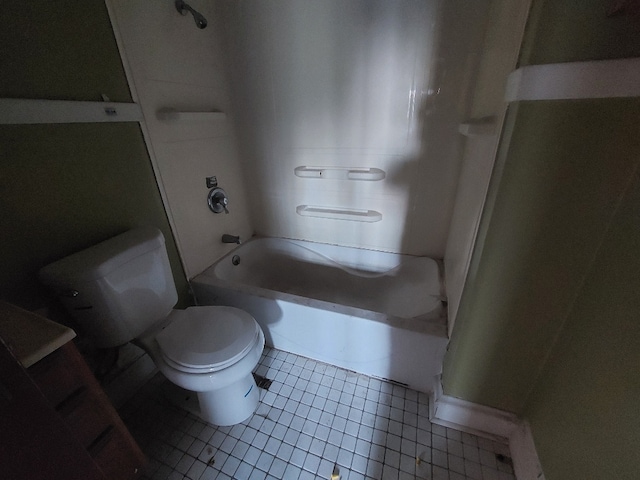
[{"x": 101, "y": 259}]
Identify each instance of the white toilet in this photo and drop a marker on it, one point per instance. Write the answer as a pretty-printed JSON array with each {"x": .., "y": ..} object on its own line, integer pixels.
[{"x": 122, "y": 290}]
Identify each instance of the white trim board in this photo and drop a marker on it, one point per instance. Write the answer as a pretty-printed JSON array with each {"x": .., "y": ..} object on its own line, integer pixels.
[
  {"x": 523, "y": 453},
  {"x": 19, "y": 111},
  {"x": 470, "y": 417},
  {"x": 487, "y": 422},
  {"x": 145, "y": 131},
  {"x": 501, "y": 49},
  {"x": 575, "y": 80}
]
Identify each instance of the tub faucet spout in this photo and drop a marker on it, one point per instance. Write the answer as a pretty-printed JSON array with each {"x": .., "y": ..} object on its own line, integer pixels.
[{"x": 226, "y": 238}]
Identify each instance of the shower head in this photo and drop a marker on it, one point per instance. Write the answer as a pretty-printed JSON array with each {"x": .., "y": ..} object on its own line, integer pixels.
[{"x": 183, "y": 8}]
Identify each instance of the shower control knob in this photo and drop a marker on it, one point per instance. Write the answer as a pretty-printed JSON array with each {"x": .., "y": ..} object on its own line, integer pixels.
[{"x": 217, "y": 200}]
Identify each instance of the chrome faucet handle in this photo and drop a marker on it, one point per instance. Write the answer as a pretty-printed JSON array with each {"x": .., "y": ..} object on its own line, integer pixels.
[{"x": 217, "y": 200}]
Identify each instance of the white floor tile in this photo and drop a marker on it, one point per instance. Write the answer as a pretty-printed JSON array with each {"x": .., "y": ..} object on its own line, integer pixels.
[{"x": 314, "y": 418}]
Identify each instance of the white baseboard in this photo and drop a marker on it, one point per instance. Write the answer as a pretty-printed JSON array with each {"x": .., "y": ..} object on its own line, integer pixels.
[
  {"x": 523, "y": 453},
  {"x": 470, "y": 417},
  {"x": 487, "y": 422}
]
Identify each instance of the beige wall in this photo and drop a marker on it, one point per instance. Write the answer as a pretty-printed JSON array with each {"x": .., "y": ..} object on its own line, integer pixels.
[{"x": 175, "y": 65}]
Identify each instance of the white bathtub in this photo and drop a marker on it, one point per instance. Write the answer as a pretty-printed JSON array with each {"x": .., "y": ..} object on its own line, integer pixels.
[{"x": 372, "y": 312}]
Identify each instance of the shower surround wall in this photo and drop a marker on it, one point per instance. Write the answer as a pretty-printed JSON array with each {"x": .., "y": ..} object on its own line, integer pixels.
[
  {"x": 173, "y": 64},
  {"x": 371, "y": 84}
]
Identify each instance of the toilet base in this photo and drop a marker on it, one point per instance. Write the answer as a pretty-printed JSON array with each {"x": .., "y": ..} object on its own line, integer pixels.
[
  {"x": 230, "y": 405},
  {"x": 181, "y": 398}
]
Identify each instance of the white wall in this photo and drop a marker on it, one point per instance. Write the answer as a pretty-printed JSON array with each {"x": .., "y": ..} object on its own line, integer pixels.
[
  {"x": 173, "y": 64},
  {"x": 364, "y": 83}
]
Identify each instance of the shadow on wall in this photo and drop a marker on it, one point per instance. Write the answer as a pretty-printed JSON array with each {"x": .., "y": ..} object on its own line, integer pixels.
[
  {"x": 348, "y": 85},
  {"x": 358, "y": 84},
  {"x": 431, "y": 175}
]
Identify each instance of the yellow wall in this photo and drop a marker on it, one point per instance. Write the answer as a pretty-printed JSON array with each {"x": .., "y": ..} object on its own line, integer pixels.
[
  {"x": 548, "y": 324},
  {"x": 68, "y": 186},
  {"x": 584, "y": 409},
  {"x": 562, "y": 176}
]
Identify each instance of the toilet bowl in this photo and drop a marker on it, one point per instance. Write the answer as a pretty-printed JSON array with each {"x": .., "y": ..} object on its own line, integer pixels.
[
  {"x": 122, "y": 290},
  {"x": 211, "y": 351}
]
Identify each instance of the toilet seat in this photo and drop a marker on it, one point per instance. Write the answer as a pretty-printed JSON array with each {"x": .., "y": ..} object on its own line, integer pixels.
[{"x": 207, "y": 339}]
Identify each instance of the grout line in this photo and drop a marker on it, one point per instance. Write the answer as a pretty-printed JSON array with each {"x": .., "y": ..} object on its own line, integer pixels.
[{"x": 369, "y": 429}]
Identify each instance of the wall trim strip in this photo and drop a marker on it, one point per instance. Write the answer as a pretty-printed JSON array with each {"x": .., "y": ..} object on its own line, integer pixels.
[
  {"x": 19, "y": 111},
  {"x": 526, "y": 463},
  {"x": 145, "y": 132},
  {"x": 575, "y": 80},
  {"x": 471, "y": 417},
  {"x": 487, "y": 422}
]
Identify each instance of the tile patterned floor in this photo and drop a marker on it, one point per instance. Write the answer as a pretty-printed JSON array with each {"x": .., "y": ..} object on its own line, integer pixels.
[{"x": 313, "y": 418}]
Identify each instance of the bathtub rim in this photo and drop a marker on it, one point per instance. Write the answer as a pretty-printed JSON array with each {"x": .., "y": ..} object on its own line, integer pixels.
[{"x": 255, "y": 237}]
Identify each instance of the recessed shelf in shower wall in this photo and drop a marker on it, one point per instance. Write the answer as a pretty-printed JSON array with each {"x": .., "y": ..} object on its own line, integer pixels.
[
  {"x": 339, "y": 213},
  {"x": 173, "y": 115},
  {"x": 341, "y": 173}
]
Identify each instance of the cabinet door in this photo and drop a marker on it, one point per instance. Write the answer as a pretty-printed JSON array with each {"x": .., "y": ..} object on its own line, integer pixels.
[{"x": 34, "y": 441}]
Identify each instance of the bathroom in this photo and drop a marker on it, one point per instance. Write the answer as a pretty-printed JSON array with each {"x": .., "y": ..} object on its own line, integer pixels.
[{"x": 69, "y": 186}]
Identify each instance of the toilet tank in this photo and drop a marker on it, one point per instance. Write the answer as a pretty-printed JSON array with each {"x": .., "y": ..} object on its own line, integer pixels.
[{"x": 117, "y": 289}]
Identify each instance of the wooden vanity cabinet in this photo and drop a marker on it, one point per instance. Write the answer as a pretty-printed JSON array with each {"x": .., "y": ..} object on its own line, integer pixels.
[
  {"x": 35, "y": 443},
  {"x": 56, "y": 422},
  {"x": 69, "y": 386}
]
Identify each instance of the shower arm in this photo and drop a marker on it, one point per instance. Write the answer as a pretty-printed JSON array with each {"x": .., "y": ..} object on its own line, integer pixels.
[{"x": 182, "y": 7}]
